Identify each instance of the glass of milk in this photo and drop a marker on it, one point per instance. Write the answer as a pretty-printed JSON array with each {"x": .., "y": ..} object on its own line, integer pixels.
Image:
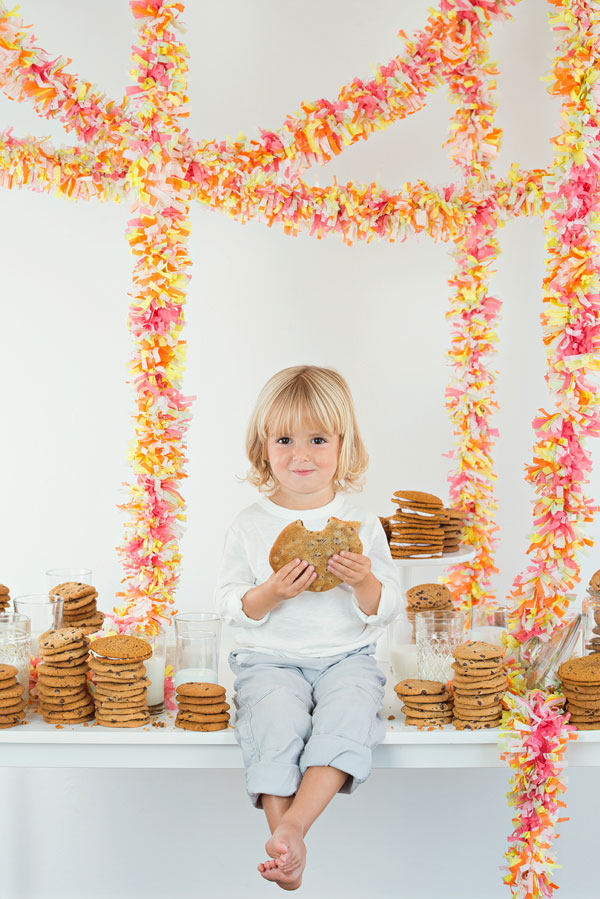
[
  {"x": 402, "y": 651},
  {"x": 438, "y": 632},
  {"x": 488, "y": 625},
  {"x": 197, "y": 641}
]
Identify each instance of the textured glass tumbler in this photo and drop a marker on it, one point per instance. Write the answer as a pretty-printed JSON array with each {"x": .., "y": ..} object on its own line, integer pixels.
[
  {"x": 15, "y": 646},
  {"x": 438, "y": 633}
]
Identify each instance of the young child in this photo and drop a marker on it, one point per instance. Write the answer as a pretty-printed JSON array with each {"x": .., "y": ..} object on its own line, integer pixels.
[{"x": 307, "y": 688}]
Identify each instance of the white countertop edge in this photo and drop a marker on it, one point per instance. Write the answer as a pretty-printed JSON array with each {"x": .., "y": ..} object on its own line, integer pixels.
[{"x": 398, "y": 733}]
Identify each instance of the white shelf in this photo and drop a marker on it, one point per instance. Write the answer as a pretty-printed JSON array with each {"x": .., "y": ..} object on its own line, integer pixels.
[{"x": 40, "y": 745}]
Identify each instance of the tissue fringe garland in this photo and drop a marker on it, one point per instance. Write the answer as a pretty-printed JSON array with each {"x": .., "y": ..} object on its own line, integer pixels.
[
  {"x": 473, "y": 314},
  {"x": 571, "y": 329},
  {"x": 158, "y": 236},
  {"x": 536, "y": 729},
  {"x": 535, "y": 732},
  {"x": 321, "y": 128}
]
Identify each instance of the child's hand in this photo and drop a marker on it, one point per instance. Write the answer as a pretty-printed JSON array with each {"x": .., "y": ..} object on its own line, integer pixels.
[
  {"x": 290, "y": 580},
  {"x": 351, "y": 568}
]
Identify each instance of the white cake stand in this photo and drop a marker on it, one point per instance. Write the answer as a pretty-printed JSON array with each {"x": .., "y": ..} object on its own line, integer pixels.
[{"x": 409, "y": 576}]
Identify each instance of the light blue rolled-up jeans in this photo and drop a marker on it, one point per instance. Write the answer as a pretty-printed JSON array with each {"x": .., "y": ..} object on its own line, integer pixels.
[{"x": 294, "y": 713}]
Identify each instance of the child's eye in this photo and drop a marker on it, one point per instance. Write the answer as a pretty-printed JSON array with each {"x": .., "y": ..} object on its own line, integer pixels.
[
  {"x": 321, "y": 439},
  {"x": 284, "y": 439}
]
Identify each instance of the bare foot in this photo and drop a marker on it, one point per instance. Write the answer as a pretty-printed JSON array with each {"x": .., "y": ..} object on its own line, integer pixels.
[{"x": 288, "y": 857}]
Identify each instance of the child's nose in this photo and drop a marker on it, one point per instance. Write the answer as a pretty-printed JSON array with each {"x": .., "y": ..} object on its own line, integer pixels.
[{"x": 301, "y": 452}]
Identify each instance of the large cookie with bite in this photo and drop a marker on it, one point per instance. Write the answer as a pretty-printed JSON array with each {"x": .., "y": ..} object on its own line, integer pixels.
[{"x": 316, "y": 548}]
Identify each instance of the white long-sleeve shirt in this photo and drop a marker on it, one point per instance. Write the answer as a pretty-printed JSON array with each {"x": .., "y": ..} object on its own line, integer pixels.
[{"x": 310, "y": 624}]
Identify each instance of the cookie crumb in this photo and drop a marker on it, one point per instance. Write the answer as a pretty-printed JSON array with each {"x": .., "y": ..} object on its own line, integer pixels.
[
  {"x": 158, "y": 724},
  {"x": 59, "y": 727},
  {"x": 391, "y": 717}
]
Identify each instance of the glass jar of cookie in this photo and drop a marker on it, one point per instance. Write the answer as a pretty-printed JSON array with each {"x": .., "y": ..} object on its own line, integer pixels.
[{"x": 591, "y": 624}]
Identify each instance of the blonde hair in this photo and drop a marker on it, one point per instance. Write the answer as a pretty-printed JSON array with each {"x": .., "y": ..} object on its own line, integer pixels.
[{"x": 306, "y": 395}]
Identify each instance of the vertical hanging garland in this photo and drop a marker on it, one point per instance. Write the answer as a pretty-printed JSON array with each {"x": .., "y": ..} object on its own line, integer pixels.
[
  {"x": 537, "y": 733},
  {"x": 473, "y": 316},
  {"x": 571, "y": 332},
  {"x": 158, "y": 236},
  {"x": 536, "y": 730}
]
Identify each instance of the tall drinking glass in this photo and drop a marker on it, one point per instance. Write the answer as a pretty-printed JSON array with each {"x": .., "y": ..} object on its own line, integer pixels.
[
  {"x": 438, "y": 633},
  {"x": 57, "y": 576},
  {"x": 155, "y": 666},
  {"x": 402, "y": 651},
  {"x": 15, "y": 645},
  {"x": 197, "y": 642},
  {"x": 488, "y": 625},
  {"x": 44, "y": 611}
]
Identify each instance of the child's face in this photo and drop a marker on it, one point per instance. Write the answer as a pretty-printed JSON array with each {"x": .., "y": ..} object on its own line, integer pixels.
[{"x": 303, "y": 461}]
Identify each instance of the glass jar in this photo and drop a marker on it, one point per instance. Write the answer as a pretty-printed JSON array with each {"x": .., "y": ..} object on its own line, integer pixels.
[
  {"x": 591, "y": 622},
  {"x": 15, "y": 645},
  {"x": 438, "y": 632},
  {"x": 542, "y": 658}
]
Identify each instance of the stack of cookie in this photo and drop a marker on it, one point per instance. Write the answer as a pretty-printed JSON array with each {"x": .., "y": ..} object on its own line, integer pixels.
[
  {"x": 121, "y": 685},
  {"x": 387, "y": 527},
  {"x": 202, "y": 707},
  {"x": 479, "y": 683},
  {"x": 452, "y": 528},
  {"x": 581, "y": 686},
  {"x": 416, "y": 527},
  {"x": 62, "y": 677},
  {"x": 425, "y": 598},
  {"x": 12, "y": 704},
  {"x": 427, "y": 703},
  {"x": 4, "y": 598},
  {"x": 79, "y": 606}
]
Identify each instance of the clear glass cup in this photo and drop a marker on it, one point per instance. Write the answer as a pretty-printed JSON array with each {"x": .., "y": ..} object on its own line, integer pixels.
[
  {"x": 15, "y": 645},
  {"x": 155, "y": 666},
  {"x": 438, "y": 633},
  {"x": 197, "y": 642},
  {"x": 44, "y": 611},
  {"x": 401, "y": 648},
  {"x": 488, "y": 625},
  {"x": 57, "y": 576}
]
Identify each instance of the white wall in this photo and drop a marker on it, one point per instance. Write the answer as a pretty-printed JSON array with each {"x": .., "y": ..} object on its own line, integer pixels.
[{"x": 260, "y": 301}]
